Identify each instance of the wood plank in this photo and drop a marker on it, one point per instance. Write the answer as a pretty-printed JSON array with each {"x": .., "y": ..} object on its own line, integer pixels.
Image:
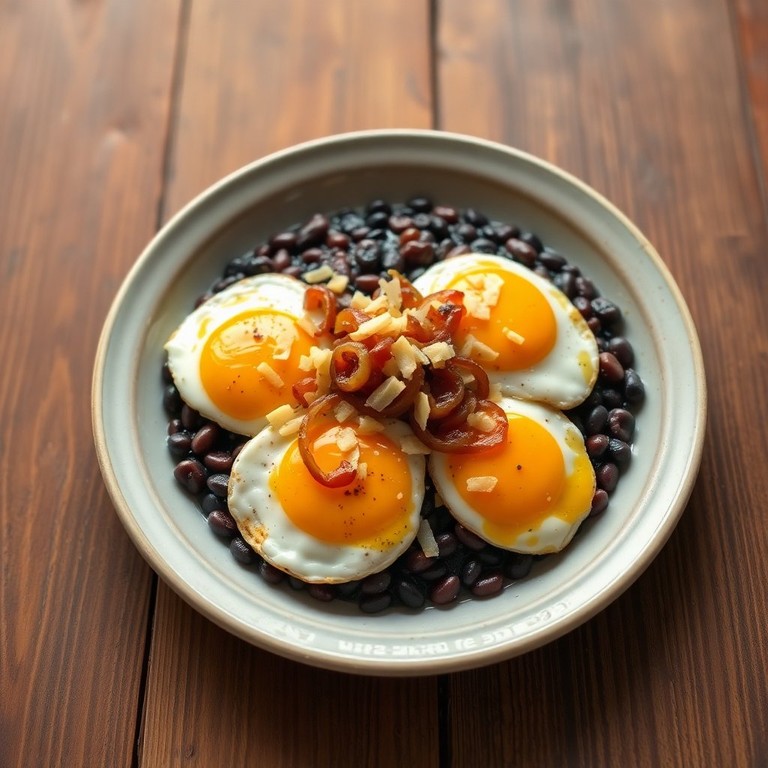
[
  {"x": 85, "y": 98},
  {"x": 643, "y": 101},
  {"x": 751, "y": 27},
  {"x": 255, "y": 80}
]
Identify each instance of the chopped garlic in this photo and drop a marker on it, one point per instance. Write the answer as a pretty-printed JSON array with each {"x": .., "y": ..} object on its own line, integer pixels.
[
  {"x": 346, "y": 439},
  {"x": 426, "y": 539},
  {"x": 514, "y": 337},
  {"x": 338, "y": 284},
  {"x": 477, "y": 350},
  {"x": 421, "y": 410},
  {"x": 359, "y": 300},
  {"x": 371, "y": 327},
  {"x": 291, "y": 427},
  {"x": 319, "y": 275},
  {"x": 495, "y": 393},
  {"x": 481, "y": 484},
  {"x": 280, "y": 416},
  {"x": 438, "y": 352},
  {"x": 392, "y": 290},
  {"x": 362, "y": 470},
  {"x": 385, "y": 393},
  {"x": 270, "y": 374},
  {"x": 344, "y": 411},
  {"x": 405, "y": 357},
  {"x": 368, "y": 426},
  {"x": 481, "y": 422}
]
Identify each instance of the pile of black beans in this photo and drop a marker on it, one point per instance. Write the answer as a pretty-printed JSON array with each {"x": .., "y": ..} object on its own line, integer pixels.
[{"x": 364, "y": 244}]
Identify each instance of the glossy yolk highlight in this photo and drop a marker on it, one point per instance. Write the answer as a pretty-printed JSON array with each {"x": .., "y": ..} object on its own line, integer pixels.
[
  {"x": 374, "y": 512},
  {"x": 533, "y": 483},
  {"x": 522, "y": 308},
  {"x": 232, "y": 352}
]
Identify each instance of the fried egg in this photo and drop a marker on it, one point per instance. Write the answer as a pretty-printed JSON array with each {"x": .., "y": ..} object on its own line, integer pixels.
[
  {"x": 321, "y": 534},
  {"x": 236, "y": 357},
  {"x": 528, "y": 495},
  {"x": 522, "y": 329}
]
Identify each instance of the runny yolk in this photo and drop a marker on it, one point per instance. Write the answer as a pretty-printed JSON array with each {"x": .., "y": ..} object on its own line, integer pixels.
[
  {"x": 532, "y": 483},
  {"x": 523, "y": 309},
  {"x": 374, "y": 512},
  {"x": 232, "y": 352}
]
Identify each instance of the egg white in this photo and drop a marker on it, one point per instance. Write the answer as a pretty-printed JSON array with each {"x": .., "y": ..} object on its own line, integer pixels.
[
  {"x": 566, "y": 376},
  {"x": 269, "y": 291},
  {"x": 552, "y": 533},
  {"x": 265, "y": 526}
]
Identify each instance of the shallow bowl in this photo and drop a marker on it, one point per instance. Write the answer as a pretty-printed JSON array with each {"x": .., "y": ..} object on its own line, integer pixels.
[{"x": 349, "y": 170}]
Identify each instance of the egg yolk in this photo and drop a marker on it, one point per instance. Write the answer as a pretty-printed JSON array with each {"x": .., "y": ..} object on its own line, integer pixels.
[
  {"x": 532, "y": 482},
  {"x": 233, "y": 351},
  {"x": 521, "y": 308},
  {"x": 373, "y": 512}
]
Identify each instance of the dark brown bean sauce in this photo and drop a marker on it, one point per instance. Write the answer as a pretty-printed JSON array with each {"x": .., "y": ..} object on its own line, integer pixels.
[{"x": 363, "y": 244}]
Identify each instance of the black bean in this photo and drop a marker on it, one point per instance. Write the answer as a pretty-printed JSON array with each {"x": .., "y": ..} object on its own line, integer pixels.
[
  {"x": 483, "y": 245},
  {"x": 293, "y": 271},
  {"x": 583, "y": 305},
  {"x": 241, "y": 551},
  {"x": 610, "y": 368},
  {"x": 378, "y": 220},
  {"x": 470, "y": 572},
  {"x": 596, "y": 420},
  {"x": 552, "y": 260},
  {"x": 179, "y": 443},
  {"x": 222, "y": 523},
  {"x": 218, "y": 484},
  {"x": 489, "y": 584},
  {"x": 491, "y": 556},
  {"x": 621, "y": 424},
  {"x": 348, "y": 589},
  {"x": 270, "y": 574},
  {"x": 469, "y": 539},
  {"x": 204, "y": 438},
  {"x": 258, "y": 265},
  {"x": 466, "y": 232},
  {"x": 585, "y": 288},
  {"x": 322, "y": 592},
  {"x": 594, "y": 325},
  {"x": 622, "y": 349},
  {"x": 399, "y": 224},
  {"x": 418, "y": 253},
  {"x": 475, "y": 218},
  {"x": 434, "y": 572},
  {"x": 171, "y": 400},
  {"x": 607, "y": 477},
  {"x": 417, "y": 562},
  {"x": 281, "y": 260},
  {"x": 607, "y": 312},
  {"x": 313, "y": 232},
  {"x": 340, "y": 264},
  {"x": 620, "y": 453},
  {"x": 368, "y": 258},
  {"x": 367, "y": 283},
  {"x": 409, "y": 594},
  {"x": 422, "y": 221},
  {"x": 282, "y": 241},
  {"x": 174, "y": 426},
  {"x": 210, "y": 502},
  {"x": 190, "y": 418},
  {"x": 445, "y": 212},
  {"x": 375, "y": 603},
  {"x": 521, "y": 251},
  {"x": 420, "y": 204},
  {"x": 566, "y": 282},
  {"x": 634, "y": 389},
  {"x": 296, "y": 584},
  {"x": 312, "y": 256},
  {"x": 500, "y": 232},
  {"x": 446, "y": 543},
  {"x": 445, "y": 591},
  {"x": 596, "y": 445},
  {"x": 391, "y": 259},
  {"x": 337, "y": 240},
  {"x": 612, "y": 398},
  {"x": 376, "y": 583},
  {"x": 532, "y": 240},
  {"x": 191, "y": 474},
  {"x": 519, "y": 566},
  {"x": 599, "y": 502},
  {"x": 376, "y": 206},
  {"x": 438, "y": 227},
  {"x": 218, "y": 461}
]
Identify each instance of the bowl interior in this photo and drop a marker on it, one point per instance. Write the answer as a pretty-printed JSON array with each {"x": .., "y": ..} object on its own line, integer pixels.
[{"x": 284, "y": 189}]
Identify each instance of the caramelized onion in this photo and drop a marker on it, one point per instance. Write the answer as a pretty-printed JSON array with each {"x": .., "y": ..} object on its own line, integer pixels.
[
  {"x": 446, "y": 391},
  {"x": 342, "y": 475},
  {"x": 481, "y": 386},
  {"x": 349, "y": 320},
  {"x": 462, "y": 438},
  {"x": 411, "y": 298},
  {"x": 320, "y": 297},
  {"x": 302, "y": 388},
  {"x": 351, "y": 366}
]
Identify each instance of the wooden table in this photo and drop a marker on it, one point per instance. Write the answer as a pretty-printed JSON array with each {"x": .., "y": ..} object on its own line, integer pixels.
[{"x": 116, "y": 113}]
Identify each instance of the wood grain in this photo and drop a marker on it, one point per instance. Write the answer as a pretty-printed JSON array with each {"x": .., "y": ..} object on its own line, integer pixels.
[
  {"x": 674, "y": 672},
  {"x": 85, "y": 89},
  {"x": 264, "y": 78}
]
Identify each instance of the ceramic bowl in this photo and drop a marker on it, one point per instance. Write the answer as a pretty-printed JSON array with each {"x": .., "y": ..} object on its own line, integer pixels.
[{"x": 349, "y": 170}]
